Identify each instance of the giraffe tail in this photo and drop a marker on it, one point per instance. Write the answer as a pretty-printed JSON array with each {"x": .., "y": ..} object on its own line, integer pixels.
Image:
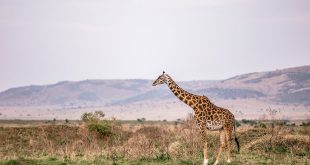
[{"x": 236, "y": 139}]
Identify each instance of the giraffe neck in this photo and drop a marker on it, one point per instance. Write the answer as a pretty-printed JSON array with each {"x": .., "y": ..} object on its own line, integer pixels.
[{"x": 180, "y": 93}]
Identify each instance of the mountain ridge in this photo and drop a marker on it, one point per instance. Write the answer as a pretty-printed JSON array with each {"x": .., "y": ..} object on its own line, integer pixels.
[{"x": 287, "y": 86}]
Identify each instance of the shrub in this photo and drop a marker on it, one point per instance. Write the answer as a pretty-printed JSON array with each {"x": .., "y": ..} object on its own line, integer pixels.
[
  {"x": 141, "y": 120},
  {"x": 238, "y": 124},
  {"x": 280, "y": 148},
  {"x": 12, "y": 162},
  {"x": 260, "y": 125},
  {"x": 102, "y": 128},
  {"x": 162, "y": 157},
  {"x": 96, "y": 123},
  {"x": 250, "y": 122},
  {"x": 305, "y": 123}
]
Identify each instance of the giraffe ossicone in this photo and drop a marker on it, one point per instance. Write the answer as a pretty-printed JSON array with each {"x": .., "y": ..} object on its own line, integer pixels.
[{"x": 207, "y": 116}]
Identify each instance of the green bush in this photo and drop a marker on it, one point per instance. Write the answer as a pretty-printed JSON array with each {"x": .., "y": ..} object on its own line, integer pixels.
[
  {"x": 96, "y": 123},
  {"x": 238, "y": 124},
  {"x": 102, "y": 128},
  {"x": 260, "y": 125},
  {"x": 12, "y": 162},
  {"x": 250, "y": 122},
  {"x": 280, "y": 148},
  {"x": 162, "y": 157}
]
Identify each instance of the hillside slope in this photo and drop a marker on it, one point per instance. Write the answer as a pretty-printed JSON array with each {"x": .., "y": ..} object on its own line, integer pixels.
[{"x": 289, "y": 86}]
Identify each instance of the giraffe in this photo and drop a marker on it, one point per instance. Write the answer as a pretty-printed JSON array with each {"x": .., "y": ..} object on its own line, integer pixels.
[{"x": 207, "y": 117}]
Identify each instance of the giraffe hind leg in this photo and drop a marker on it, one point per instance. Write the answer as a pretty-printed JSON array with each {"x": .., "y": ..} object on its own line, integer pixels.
[{"x": 222, "y": 143}]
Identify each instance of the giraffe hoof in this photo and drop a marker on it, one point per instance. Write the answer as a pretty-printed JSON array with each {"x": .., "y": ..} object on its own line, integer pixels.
[
  {"x": 228, "y": 161},
  {"x": 216, "y": 162},
  {"x": 205, "y": 162}
]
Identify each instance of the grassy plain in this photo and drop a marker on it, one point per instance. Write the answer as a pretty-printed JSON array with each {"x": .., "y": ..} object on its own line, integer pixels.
[{"x": 147, "y": 142}]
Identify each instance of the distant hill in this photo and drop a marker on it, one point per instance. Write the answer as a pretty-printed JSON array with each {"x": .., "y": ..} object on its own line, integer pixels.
[{"x": 289, "y": 86}]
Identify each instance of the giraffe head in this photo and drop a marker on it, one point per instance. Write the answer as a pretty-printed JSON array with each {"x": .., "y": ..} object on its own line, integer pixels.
[{"x": 163, "y": 78}]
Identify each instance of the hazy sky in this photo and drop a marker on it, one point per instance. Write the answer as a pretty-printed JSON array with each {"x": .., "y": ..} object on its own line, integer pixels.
[{"x": 46, "y": 41}]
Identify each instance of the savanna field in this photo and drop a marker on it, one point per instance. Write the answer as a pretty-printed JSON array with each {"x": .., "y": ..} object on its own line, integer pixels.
[{"x": 94, "y": 140}]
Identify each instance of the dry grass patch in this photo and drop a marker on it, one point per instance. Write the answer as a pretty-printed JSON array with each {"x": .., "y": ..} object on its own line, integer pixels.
[{"x": 174, "y": 143}]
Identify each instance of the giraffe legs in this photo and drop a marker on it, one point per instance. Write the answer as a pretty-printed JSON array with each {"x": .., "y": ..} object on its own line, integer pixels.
[
  {"x": 228, "y": 139},
  {"x": 225, "y": 139},
  {"x": 222, "y": 142},
  {"x": 205, "y": 148}
]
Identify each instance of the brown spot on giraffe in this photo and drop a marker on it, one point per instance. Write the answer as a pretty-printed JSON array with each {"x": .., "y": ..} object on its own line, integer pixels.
[
  {"x": 190, "y": 103},
  {"x": 207, "y": 116}
]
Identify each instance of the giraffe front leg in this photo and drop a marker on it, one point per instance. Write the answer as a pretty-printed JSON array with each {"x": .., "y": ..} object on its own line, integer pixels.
[
  {"x": 205, "y": 148},
  {"x": 205, "y": 154},
  {"x": 222, "y": 143},
  {"x": 228, "y": 139}
]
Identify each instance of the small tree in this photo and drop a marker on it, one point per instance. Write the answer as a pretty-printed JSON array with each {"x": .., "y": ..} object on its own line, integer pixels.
[
  {"x": 89, "y": 116},
  {"x": 142, "y": 120},
  {"x": 86, "y": 117}
]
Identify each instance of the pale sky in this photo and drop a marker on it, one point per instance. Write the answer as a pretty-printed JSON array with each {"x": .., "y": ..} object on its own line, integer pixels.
[{"x": 46, "y": 41}]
